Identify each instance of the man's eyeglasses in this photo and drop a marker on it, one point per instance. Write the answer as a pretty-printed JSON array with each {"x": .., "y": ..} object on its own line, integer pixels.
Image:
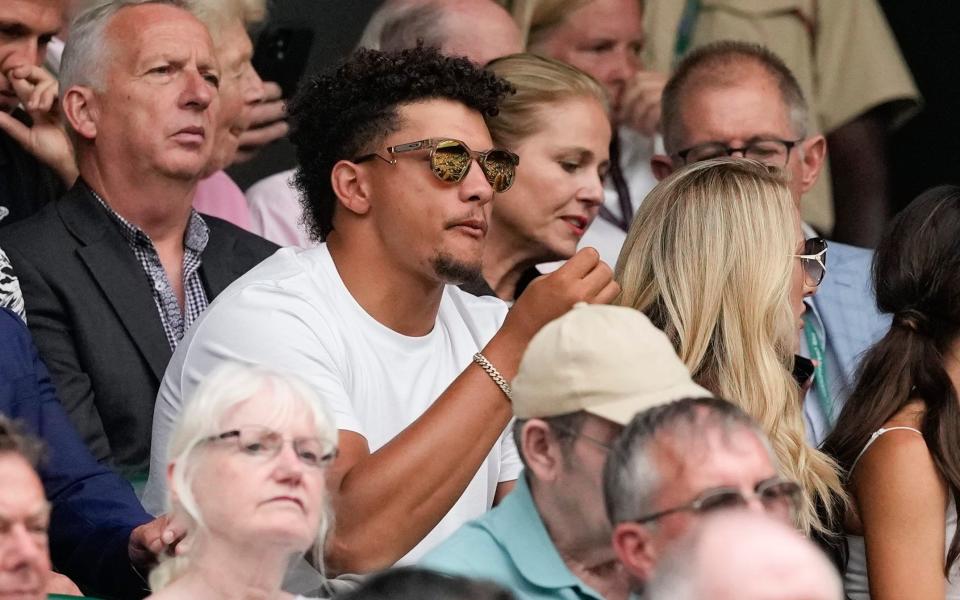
[
  {"x": 772, "y": 152},
  {"x": 450, "y": 161},
  {"x": 570, "y": 432},
  {"x": 779, "y": 497},
  {"x": 262, "y": 442},
  {"x": 814, "y": 260}
]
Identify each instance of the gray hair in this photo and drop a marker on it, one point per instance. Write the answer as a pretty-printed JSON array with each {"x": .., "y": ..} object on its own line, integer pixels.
[
  {"x": 14, "y": 441},
  {"x": 217, "y": 14},
  {"x": 631, "y": 475},
  {"x": 87, "y": 51},
  {"x": 721, "y": 64},
  {"x": 401, "y": 24},
  {"x": 228, "y": 386}
]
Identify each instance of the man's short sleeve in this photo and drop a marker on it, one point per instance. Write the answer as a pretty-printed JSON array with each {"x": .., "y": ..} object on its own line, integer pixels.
[{"x": 510, "y": 465}]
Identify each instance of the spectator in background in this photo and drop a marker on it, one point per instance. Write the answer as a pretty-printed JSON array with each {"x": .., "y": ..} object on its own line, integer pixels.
[
  {"x": 397, "y": 170},
  {"x": 36, "y": 159},
  {"x": 477, "y": 29},
  {"x": 247, "y": 470},
  {"x": 98, "y": 530},
  {"x": 603, "y": 38},
  {"x": 677, "y": 462},
  {"x": 896, "y": 440},
  {"x": 715, "y": 258},
  {"x": 738, "y": 99},
  {"x": 240, "y": 91},
  {"x": 582, "y": 378},
  {"x": 850, "y": 70},
  {"x": 557, "y": 121},
  {"x": 118, "y": 269},
  {"x": 744, "y": 556}
]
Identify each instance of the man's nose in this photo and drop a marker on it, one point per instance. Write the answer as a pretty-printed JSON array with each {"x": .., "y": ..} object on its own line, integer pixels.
[
  {"x": 475, "y": 186},
  {"x": 198, "y": 90},
  {"x": 21, "y": 548},
  {"x": 23, "y": 52}
]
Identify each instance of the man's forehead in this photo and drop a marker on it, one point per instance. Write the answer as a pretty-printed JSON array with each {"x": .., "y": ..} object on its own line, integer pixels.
[
  {"x": 157, "y": 29},
  {"x": 38, "y": 16},
  {"x": 747, "y": 105},
  {"x": 20, "y": 489},
  {"x": 438, "y": 118},
  {"x": 713, "y": 458}
]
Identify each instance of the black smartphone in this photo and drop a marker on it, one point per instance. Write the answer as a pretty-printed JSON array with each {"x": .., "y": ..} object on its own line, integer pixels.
[
  {"x": 281, "y": 55},
  {"x": 803, "y": 369}
]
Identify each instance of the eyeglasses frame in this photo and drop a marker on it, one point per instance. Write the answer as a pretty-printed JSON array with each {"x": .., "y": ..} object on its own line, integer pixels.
[
  {"x": 324, "y": 461},
  {"x": 729, "y": 150},
  {"x": 697, "y": 503},
  {"x": 480, "y": 157}
]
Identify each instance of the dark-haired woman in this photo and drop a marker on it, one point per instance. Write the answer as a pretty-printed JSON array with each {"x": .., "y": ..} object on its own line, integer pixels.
[{"x": 898, "y": 437}]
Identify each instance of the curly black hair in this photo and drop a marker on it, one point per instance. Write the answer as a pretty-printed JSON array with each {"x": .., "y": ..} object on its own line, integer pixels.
[{"x": 338, "y": 115}]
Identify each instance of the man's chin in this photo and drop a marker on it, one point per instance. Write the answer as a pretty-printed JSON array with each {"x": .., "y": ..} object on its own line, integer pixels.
[{"x": 456, "y": 271}]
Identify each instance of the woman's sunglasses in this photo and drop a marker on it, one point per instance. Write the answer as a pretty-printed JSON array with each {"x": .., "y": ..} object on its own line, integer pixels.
[
  {"x": 814, "y": 260},
  {"x": 450, "y": 161}
]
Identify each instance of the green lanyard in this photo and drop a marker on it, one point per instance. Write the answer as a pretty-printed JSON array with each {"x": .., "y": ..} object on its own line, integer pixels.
[
  {"x": 815, "y": 346},
  {"x": 685, "y": 29}
]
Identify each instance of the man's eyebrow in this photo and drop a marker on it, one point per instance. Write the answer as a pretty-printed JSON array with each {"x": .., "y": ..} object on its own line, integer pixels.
[{"x": 14, "y": 27}]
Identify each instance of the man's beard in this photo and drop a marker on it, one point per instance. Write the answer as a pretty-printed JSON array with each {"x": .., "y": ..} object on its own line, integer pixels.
[{"x": 454, "y": 271}]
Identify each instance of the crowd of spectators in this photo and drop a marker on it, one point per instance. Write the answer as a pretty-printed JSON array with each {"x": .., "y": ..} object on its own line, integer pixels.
[{"x": 550, "y": 308}]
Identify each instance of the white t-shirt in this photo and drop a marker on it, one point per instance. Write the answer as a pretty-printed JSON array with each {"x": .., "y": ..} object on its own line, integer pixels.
[{"x": 292, "y": 312}]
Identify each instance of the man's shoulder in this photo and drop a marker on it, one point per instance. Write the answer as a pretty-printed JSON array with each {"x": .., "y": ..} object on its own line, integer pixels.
[
  {"x": 16, "y": 341},
  {"x": 482, "y": 309},
  {"x": 242, "y": 238},
  {"x": 472, "y": 550}
]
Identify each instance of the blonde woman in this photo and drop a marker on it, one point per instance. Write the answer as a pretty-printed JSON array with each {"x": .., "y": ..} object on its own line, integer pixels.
[
  {"x": 247, "y": 469},
  {"x": 712, "y": 259},
  {"x": 557, "y": 122}
]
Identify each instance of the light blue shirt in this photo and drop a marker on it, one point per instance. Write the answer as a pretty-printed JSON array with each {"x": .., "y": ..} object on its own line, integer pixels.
[{"x": 510, "y": 546}]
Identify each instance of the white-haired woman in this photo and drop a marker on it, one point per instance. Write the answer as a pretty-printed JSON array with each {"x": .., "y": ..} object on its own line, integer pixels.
[{"x": 246, "y": 471}]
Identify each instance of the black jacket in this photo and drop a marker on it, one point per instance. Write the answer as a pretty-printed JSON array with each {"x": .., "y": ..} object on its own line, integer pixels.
[{"x": 91, "y": 311}]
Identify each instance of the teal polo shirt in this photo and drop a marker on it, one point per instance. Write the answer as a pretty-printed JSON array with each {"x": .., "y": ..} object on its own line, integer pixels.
[{"x": 510, "y": 545}]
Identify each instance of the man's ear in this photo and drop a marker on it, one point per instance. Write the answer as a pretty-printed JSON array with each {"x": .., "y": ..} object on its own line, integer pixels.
[
  {"x": 541, "y": 450},
  {"x": 813, "y": 153},
  {"x": 352, "y": 186},
  {"x": 662, "y": 166},
  {"x": 80, "y": 107},
  {"x": 633, "y": 546}
]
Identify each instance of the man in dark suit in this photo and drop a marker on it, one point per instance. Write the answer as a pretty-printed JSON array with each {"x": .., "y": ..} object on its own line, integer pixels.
[
  {"x": 115, "y": 271},
  {"x": 98, "y": 529}
]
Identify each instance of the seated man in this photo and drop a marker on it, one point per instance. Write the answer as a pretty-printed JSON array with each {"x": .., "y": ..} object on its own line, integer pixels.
[
  {"x": 397, "y": 172},
  {"x": 98, "y": 529},
  {"x": 738, "y": 555},
  {"x": 676, "y": 461},
  {"x": 580, "y": 381},
  {"x": 733, "y": 98},
  {"x": 115, "y": 271},
  {"x": 36, "y": 165}
]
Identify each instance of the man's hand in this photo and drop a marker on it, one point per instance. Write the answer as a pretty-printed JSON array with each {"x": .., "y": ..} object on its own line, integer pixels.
[
  {"x": 148, "y": 541},
  {"x": 583, "y": 278},
  {"x": 267, "y": 123},
  {"x": 61, "y": 584},
  {"x": 640, "y": 108},
  {"x": 47, "y": 139}
]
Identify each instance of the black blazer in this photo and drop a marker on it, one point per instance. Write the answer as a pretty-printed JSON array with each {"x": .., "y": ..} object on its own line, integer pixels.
[{"x": 91, "y": 312}]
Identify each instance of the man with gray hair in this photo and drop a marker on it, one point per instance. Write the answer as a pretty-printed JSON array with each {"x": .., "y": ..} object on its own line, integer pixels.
[
  {"x": 118, "y": 269},
  {"x": 739, "y": 555},
  {"x": 678, "y": 461},
  {"x": 582, "y": 378},
  {"x": 480, "y": 30}
]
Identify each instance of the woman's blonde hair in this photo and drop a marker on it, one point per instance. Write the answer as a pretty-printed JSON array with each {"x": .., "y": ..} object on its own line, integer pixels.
[
  {"x": 538, "y": 81},
  {"x": 227, "y": 387},
  {"x": 217, "y": 14},
  {"x": 709, "y": 259}
]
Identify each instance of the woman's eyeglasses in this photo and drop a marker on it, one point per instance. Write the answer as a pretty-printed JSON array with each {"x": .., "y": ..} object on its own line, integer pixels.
[
  {"x": 450, "y": 161},
  {"x": 814, "y": 260},
  {"x": 263, "y": 442},
  {"x": 779, "y": 497}
]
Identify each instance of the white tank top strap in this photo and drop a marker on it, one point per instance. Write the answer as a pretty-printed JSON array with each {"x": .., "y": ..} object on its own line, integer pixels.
[{"x": 874, "y": 437}]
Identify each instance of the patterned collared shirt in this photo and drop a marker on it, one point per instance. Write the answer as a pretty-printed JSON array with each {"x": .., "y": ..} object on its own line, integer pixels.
[{"x": 175, "y": 322}]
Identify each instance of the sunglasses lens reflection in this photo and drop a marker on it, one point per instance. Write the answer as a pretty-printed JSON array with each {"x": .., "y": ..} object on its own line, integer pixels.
[
  {"x": 500, "y": 169},
  {"x": 450, "y": 161}
]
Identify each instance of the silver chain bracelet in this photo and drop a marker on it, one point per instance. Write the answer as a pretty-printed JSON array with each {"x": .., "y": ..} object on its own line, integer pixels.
[{"x": 494, "y": 374}]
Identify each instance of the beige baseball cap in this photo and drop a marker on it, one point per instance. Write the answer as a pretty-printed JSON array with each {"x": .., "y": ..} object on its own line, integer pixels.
[{"x": 610, "y": 361}]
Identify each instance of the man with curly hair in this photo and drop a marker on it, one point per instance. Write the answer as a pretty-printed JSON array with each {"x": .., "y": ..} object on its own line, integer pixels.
[{"x": 397, "y": 173}]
